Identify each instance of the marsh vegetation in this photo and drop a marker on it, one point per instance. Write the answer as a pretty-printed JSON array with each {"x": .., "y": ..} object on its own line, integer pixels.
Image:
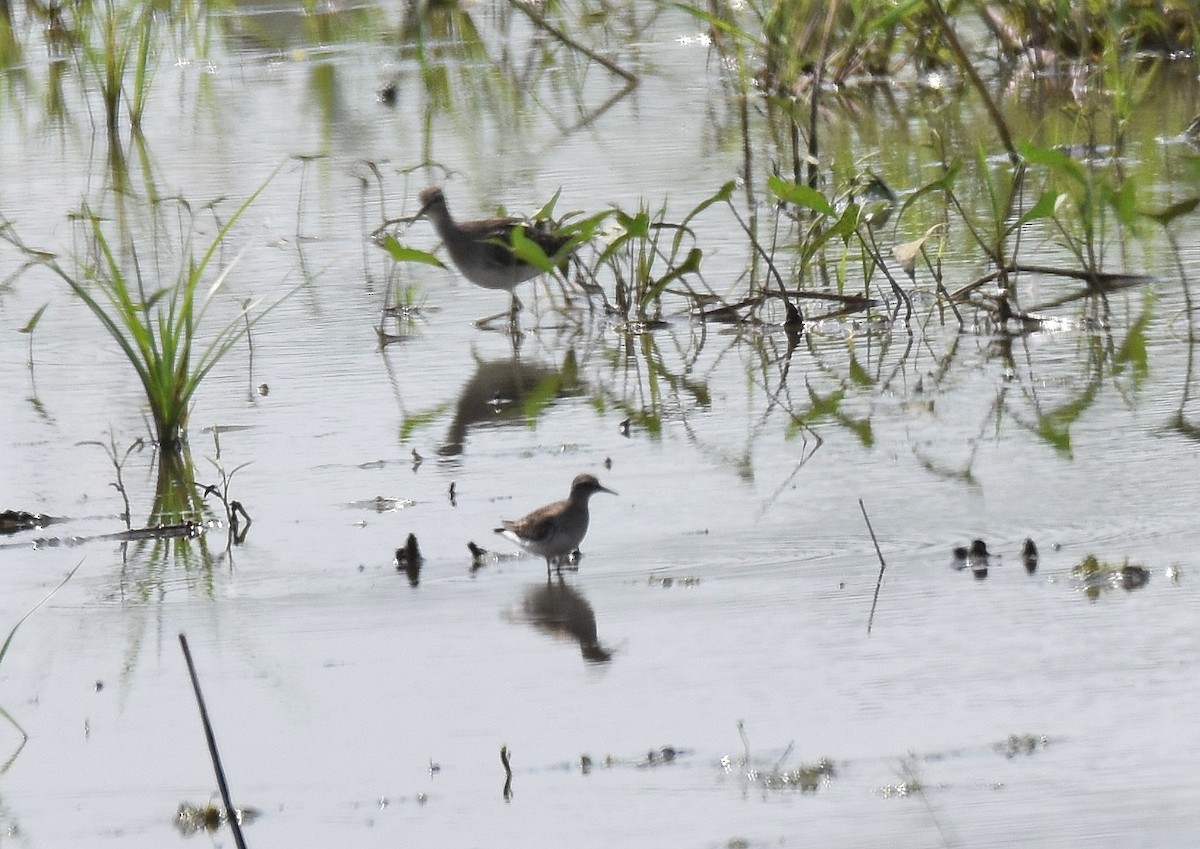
[{"x": 931, "y": 258}]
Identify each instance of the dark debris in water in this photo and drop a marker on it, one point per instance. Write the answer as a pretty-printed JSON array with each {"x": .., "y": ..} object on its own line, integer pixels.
[
  {"x": 176, "y": 530},
  {"x": 1096, "y": 576},
  {"x": 658, "y": 757},
  {"x": 654, "y": 757},
  {"x": 1022, "y": 744},
  {"x": 807, "y": 778},
  {"x": 902, "y": 789},
  {"x": 383, "y": 504},
  {"x": 976, "y": 557},
  {"x": 408, "y": 560},
  {"x": 193, "y": 819},
  {"x": 1029, "y": 555},
  {"x": 668, "y": 581},
  {"x": 15, "y": 521}
]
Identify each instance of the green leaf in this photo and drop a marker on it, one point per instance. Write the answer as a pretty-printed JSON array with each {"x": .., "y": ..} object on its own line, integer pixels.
[
  {"x": 402, "y": 253},
  {"x": 1175, "y": 210},
  {"x": 691, "y": 265},
  {"x": 722, "y": 195},
  {"x": 1045, "y": 207},
  {"x": 546, "y": 213},
  {"x": 719, "y": 24},
  {"x": 1133, "y": 352},
  {"x": 33, "y": 322},
  {"x": 8, "y": 642},
  {"x": 1055, "y": 160},
  {"x": 409, "y": 424},
  {"x": 1124, "y": 202},
  {"x": 847, "y": 224},
  {"x": 527, "y": 250},
  {"x": 943, "y": 183},
  {"x": 637, "y": 226},
  {"x": 800, "y": 195}
]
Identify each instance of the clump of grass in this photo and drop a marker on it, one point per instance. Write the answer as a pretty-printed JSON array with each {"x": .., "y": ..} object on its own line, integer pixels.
[
  {"x": 159, "y": 328},
  {"x": 649, "y": 256}
]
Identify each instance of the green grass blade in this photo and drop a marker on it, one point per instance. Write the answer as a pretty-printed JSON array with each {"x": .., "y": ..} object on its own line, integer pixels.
[
  {"x": 8, "y": 642},
  {"x": 33, "y": 322}
]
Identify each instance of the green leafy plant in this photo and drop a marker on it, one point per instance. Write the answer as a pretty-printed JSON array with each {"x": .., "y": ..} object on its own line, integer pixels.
[
  {"x": 158, "y": 329},
  {"x": 646, "y": 257}
]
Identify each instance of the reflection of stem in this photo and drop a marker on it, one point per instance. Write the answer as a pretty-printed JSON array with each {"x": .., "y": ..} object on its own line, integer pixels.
[
  {"x": 596, "y": 113},
  {"x": 1181, "y": 423},
  {"x": 964, "y": 63},
  {"x": 541, "y": 22},
  {"x": 813, "y": 113},
  {"x": 882, "y": 564},
  {"x": 794, "y": 316},
  {"x": 873, "y": 251}
]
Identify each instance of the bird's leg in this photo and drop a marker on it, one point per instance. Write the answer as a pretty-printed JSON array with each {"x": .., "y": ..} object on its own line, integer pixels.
[{"x": 486, "y": 323}]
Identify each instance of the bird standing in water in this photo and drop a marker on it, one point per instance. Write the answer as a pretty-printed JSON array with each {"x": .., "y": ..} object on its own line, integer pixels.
[
  {"x": 557, "y": 529},
  {"x": 482, "y": 249}
]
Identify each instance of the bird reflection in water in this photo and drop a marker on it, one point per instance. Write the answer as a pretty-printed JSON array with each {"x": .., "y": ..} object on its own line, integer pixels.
[
  {"x": 408, "y": 560},
  {"x": 507, "y": 391},
  {"x": 561, "y": 611}
]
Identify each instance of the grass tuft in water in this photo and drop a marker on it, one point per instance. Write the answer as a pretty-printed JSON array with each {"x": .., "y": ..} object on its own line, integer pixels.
[{"x": 159, "y": 329}]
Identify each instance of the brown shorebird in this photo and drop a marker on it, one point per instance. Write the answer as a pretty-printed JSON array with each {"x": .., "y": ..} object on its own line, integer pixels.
[
  {"x": 482, "y": 249},
  {"x": 554, "y": 531}
]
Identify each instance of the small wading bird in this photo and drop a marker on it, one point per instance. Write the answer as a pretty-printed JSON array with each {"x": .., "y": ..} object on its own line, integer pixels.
[
  {"x": 554, "y": 531},
  {"x": 482, "y": 250}
]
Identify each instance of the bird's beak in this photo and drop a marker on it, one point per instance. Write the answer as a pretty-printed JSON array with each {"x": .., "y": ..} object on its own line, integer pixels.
[
  {"x": 425, "y": 208},
  {"x": 606, "y": 489}
]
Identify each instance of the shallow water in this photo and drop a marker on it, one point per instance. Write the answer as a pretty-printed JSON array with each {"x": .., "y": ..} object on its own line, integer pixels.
[{"x": 731, "y": 581}]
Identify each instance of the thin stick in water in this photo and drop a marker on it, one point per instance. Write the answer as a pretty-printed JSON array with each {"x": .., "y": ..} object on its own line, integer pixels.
[
  {"x": 882, "y": 564},
  {"x": 230, "y": 812},
  {"x": 507, "y": 774}
]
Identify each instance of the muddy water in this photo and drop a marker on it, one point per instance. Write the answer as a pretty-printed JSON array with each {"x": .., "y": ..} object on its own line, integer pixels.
[{"x": 731, "y": 581}]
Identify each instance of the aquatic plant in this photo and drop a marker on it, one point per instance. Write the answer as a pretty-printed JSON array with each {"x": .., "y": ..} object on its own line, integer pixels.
[
  {"x": 644, "y": 254},
  {"x": 118, "y": 462},
  {"x": 158, "y": 328},
  {"x": 234, "y": 511}
]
